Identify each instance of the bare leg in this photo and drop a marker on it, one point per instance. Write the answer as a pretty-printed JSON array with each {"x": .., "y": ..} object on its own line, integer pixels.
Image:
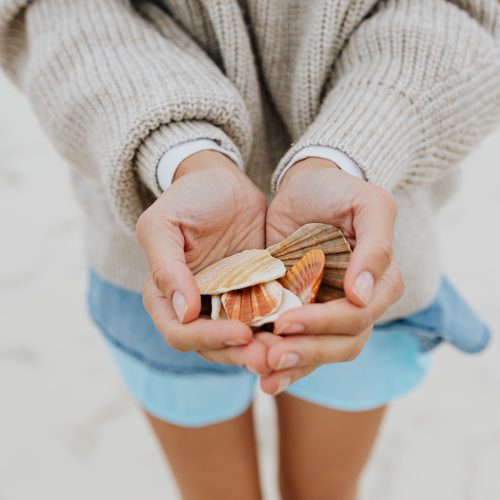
[
  {"x": 323, "y": 451},
  {"x": 216, "y": 462}
]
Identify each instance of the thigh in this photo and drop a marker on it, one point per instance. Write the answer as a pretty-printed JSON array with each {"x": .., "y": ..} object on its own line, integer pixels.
[
  {"x": 323, "y": 451},
  {"x": 216, "y": 462}
]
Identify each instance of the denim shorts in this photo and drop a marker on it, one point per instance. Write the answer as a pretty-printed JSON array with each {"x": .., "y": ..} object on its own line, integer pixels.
[{"x": 186, "y": 390}]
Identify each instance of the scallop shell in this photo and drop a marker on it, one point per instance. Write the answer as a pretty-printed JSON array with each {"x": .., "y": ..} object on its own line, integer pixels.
[
  {"x": 323, "y": 237},
  {"x": 252, "y": 303},
  {"x": 327, "y": 293},
  {"x": 304, "y": 278},
  {"x": 240, "y": 270},
  {"x": 289, "y": 301},
  {"x": 217, "y": 311}
]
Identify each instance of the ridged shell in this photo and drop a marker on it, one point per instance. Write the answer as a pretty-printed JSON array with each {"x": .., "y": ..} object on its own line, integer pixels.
[
  {"x": 331, "y": 242},
  {"x": 327, "y": 293},
  {"x": 289, "y": 301},
  {"x": 252, "y": 303},
  {"x": 304, "y": 278},
  {"x": 238, "y": 271}
]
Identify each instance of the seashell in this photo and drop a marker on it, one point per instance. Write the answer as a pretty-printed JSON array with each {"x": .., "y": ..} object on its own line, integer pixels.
[
  {"x": 217, "y": 312},
  {"x": 327, "y": 293},
  {"x": 304, "y": 278},
  {"x": 252, "y": 303},
  {"x": 289, "y": 301},
  {"x": 335, "y": 268},
  {"x": 325, "y": 237},
  {"x": 331, "y": 242},
  {"x": 240, "y": 270}
]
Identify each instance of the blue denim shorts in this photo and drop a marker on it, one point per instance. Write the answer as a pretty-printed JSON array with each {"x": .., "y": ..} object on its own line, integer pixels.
[{"x": 185, "y": 389}]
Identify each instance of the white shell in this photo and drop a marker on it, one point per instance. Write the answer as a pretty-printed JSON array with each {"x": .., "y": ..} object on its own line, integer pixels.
[
  {"x": 217, "y": 310},
  {"x": 289, "y": 301}
]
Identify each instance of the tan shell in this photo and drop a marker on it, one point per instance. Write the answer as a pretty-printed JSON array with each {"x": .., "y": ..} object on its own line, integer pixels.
[
  {"x": 240, "y": 270},
  {"x": 252, "y": 303},
  {"x": 331, "y": 242},
  {"x": 304, "y": 278},
  {"x": 289, "y": 301},
  {"x": 327, "y": 293}
]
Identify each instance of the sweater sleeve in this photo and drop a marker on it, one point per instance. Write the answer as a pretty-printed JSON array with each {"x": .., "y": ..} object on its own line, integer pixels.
[
  {"x": 114, "y": 92},
  {"x": 415, "y": 88}
]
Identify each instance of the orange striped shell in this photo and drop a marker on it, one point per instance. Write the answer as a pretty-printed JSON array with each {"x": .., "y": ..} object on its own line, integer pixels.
[
  {"x": 304, "y": 278},
  {"x": 253, "y": 303},
  {"x": 331, "y": 241}
]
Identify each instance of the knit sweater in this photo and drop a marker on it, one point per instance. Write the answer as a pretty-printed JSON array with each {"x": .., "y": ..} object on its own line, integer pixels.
[{"x": 403, "y": 87}]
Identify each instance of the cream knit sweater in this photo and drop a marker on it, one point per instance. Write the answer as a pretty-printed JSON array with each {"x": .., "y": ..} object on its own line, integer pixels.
[{"x": 403, "y": 87}]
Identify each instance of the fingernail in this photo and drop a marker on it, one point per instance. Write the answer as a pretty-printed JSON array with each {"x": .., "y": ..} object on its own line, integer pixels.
[
  {"x": 283, "y": 384},
  {"x": 363, "y": 286},
  {"x": 235, "y": 342},
  {"x": 180, "y": 305},
  {"x": 288, "y": 360},
  {"x": 289, "y": 328}
]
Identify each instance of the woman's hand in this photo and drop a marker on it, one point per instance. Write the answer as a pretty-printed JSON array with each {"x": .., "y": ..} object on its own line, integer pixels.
[
  {"x": 316, "y": 190},
  {"x": 212, "y": 210}
]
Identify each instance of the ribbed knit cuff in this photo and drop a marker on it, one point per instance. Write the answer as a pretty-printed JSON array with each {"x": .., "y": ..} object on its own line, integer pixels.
[
  {"x": 165, "y": 137},
  {"x": 376, "y": 126}
]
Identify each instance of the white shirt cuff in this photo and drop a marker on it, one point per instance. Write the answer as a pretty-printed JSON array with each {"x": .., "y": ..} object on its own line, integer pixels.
[
  {"x": 172, "y": 158},
  {"x": 343, "y": 161}
]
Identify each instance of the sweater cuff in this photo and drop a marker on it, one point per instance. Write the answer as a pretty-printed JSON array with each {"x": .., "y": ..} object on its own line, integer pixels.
[
  {"x": 173, "y": 157},
  {"x": 333, "y": 154},
  {"x": 381, "y": 133},
  {"x": 168, "y": 136}
]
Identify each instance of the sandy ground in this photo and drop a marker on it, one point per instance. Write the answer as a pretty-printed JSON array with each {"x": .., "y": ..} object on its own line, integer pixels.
[{"x": 68, "y": 429}]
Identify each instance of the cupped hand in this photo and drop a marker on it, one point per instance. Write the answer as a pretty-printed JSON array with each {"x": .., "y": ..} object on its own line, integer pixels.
[
  {"x": 211, "y": 210},
  {"x": 316, "y": 190}
]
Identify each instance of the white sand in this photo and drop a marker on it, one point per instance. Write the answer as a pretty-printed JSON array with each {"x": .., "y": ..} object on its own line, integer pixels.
[{"x": 68, "y": 429}]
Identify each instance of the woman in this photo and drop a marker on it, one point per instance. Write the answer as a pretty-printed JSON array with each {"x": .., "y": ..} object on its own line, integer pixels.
[{"x": 178, "y": 116}]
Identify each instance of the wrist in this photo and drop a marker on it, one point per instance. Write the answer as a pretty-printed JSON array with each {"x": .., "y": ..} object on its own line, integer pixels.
[
  {"x": 202, "y": 160},
  {"x": 307, "y": 165}
]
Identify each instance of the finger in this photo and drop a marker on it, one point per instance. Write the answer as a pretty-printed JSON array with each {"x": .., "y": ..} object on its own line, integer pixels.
[
  {"x": 341, "y": 316},
  {"x": 315, "y": 350},
  {"x": 277, "y": 382},
  {"x": 163, "y": 244},
  {"x": 373, "y": 223},
  {"x": 196, "y": 335},
  {"x": 252, "y": 356},
  {"x": 268, "y": 339}
]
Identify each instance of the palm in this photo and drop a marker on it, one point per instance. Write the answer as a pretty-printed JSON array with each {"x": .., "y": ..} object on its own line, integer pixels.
[
  {"x": 310, "y": 198},
  {"x": 221, "y": 214}
]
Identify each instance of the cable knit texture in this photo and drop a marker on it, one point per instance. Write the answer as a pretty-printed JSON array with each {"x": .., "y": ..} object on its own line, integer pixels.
[{"x": 405, "y": 88}]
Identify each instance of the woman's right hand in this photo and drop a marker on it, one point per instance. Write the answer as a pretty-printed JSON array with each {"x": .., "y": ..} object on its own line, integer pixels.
[{"x": 211, "y": 210}]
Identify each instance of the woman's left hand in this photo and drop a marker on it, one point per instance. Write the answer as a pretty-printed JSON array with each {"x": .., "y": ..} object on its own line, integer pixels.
[{"x": 316, "y": 190}]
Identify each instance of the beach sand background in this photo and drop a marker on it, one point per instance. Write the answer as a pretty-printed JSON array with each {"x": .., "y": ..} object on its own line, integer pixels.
[{"x": 68, "y": 428}]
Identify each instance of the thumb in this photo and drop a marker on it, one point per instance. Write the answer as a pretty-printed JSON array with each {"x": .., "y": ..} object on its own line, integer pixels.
[
  {"x": 373, "y": 222},
  {"x": 163, "y": 244}
]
